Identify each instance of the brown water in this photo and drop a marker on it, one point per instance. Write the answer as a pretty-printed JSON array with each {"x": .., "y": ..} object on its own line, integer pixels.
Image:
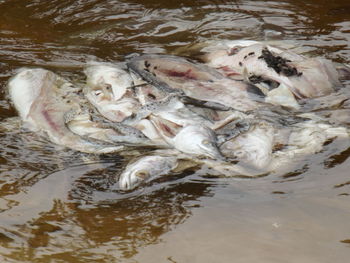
[{"x": 58, "y": 205}]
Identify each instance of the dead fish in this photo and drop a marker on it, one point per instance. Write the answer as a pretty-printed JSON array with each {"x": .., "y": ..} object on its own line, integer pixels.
[
  {"x": 253, "y": 147},
  {"x": 194, "y": 139},
  {"x": 109, "y": 76},
  {"x": 99, "y": 129},
  {"x": 180, "y": 127},
  {"x": 108, "y": 89},
  {"x": 42, "y": 100},
  {"x": 177, "y": 75},
  {"x": 108, "y": 107},
  {"x": 307, "y": 138},
  {"x": 145, "y": 92},
  {"x": 149, "y": 130},
  {"x": 198, "y": 140},
  {"x": 146, "y": 169},
  {"x": 268, "y": 65}
]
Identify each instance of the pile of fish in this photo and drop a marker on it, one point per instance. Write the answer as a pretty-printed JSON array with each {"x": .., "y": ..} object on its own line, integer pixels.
[{"x": 240, "y": 112}]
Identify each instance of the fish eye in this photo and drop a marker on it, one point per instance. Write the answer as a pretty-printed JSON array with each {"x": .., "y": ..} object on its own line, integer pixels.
[
  {"x": 98, "y": 92},
  {"x": 205, "y": 142},
  {"x": 142, "y": 174},
  {"x": 108, "y": 86}
]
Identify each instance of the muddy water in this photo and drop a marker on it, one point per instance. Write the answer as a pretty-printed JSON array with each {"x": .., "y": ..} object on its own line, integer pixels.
[{"x": 58, "y": 205}]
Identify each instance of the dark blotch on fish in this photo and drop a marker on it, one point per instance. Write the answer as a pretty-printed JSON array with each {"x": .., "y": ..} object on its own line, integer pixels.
[
  {"x": 151, "y": 96},
  {"x": 240, "y": 63},
  {"x": 147, "y": 65},
  {"x": 272, "y": 84},
  {"x": 251, "y": 53},
  {"x": 278, "y": 63}
]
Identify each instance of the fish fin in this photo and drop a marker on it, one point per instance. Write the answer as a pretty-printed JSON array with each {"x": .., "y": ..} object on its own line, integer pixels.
[
  {"x": 204, "y": 104},
  {"x": 245, "y": 75}
]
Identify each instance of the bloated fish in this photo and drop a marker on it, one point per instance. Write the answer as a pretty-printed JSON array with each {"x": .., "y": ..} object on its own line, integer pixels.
[
  {"x": 178, "y": 75},
  {"x": 280, "y": 73},
  {"x": 43, "y": 100},
  {"x": 146, "y": 169}
]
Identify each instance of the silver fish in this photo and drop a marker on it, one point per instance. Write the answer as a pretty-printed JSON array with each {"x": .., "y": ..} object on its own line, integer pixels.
[
  {"x": 146, "y": 169},
  {"x": 195, "y": 139}
]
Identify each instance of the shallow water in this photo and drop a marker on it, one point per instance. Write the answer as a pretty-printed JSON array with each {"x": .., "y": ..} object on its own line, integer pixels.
[{"x": 58, "y": 205}]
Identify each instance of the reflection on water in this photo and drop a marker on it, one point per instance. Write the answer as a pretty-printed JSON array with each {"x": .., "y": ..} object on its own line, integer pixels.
[
  {"x": 45, "y": 226},
  {"x": 58, "y": 205}
]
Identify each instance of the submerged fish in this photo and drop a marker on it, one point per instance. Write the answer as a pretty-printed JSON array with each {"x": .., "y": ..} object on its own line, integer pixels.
[
  {"x": 146, "y": 169},
  {"x": 43, "y": 101}
]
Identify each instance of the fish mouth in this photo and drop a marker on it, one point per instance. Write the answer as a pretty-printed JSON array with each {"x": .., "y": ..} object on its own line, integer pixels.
[
  {"x": 213, "y": 152},
  {"x": 128, "y": 181}
]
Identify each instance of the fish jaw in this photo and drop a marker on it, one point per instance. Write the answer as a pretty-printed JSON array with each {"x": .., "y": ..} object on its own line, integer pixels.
[
  {"x": 197, "y": 140},
  {"x": 106, "y": 75},
  {"x": 146, "y": 169}
]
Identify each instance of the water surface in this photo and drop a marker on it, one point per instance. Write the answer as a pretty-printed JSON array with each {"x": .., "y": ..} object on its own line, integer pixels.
[{"x": 58, "y": 205}]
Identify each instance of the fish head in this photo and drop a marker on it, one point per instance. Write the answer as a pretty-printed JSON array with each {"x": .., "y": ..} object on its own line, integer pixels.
[
  {"x": 198, "y": 140},
  {"x": 145, "y": 169},
  {"x": 131, "y": 178},
  {"x": 99, "y": 95},
  {"x": 112, "y": 76},
  {"x": 114, "y": 110}
]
